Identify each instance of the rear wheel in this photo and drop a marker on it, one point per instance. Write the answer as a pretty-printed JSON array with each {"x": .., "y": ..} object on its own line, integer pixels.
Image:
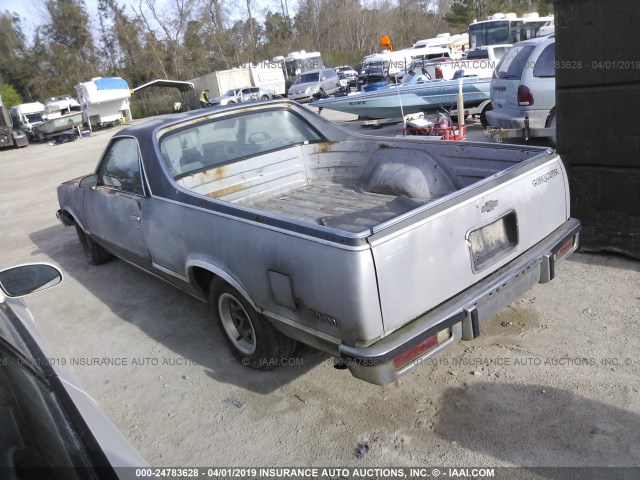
[
  {"x": 264, "y": 97},
  {"x": 252, "y": 339},
  {"x": 483, "y": 115},
  {"x": 95, "y": 253}
]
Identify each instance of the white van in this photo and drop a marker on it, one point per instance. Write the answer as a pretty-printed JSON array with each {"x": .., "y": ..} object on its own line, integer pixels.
[{"x": 524, "y": 87}]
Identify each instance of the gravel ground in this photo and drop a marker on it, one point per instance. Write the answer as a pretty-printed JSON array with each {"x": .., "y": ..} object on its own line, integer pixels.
[{"x": 553, "y": 380}]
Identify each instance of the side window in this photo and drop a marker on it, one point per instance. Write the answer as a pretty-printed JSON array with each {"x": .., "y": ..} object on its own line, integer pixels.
[
  {"x": 120, "y": 167},
  {"x": 546, "y": 64}
]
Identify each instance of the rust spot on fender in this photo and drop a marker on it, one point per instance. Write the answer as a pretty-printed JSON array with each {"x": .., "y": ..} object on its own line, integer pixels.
[{"x": 325, "y": 147}]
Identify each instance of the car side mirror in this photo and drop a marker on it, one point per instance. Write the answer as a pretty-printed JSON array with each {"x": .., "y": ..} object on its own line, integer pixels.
[
  {"x": 89, "y": 181},
  {"x": 26, "y": 279},
  {"x": 323, "y": 78}
]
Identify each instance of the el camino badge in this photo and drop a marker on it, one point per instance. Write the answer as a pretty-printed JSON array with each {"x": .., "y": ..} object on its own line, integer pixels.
[
  {"x": 323, "y": 317},
  {"x": 490, "y": 205}
]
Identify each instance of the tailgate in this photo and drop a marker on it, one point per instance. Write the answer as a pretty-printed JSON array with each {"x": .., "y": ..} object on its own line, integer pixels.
[{"x": 439, "y": 251}]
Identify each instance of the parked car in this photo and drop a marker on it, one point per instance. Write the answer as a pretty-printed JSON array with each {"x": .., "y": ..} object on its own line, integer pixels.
[
  {"x": 344, "y": 82},
  {"x": 524, "y": 87},
  {"x": 493, "y": 53},
  {"x": 51, "y": 428},
  {"x": 350, "y": 73},
  {"x": 243, "y": 94},
  {"x": 314, "y": 82},
  {"x": 376, "y": 250}
]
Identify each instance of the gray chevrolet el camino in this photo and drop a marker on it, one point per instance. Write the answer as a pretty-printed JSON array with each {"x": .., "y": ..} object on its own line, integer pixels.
[{"x": 379, "y": 251}]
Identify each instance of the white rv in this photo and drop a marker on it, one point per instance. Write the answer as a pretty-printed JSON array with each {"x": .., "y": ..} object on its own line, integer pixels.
[
  {"x": 105, "y": 100},
  {"x": 397, "y": 61}
]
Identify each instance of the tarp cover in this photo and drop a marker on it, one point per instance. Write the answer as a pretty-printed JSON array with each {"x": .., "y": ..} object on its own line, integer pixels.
[{"x": 111, "y": 83}]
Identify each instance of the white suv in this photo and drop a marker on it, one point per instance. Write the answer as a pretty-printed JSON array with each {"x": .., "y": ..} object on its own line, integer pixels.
[{"x": 524, "y": 86}]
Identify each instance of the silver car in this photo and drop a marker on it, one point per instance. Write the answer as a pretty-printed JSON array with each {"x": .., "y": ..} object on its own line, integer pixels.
[
  {"x": 315, "y": 82},
  {"x": 51, "y": 428},
  {"x": 524, "y": 86},
  {"x": 243, "y": 94}
]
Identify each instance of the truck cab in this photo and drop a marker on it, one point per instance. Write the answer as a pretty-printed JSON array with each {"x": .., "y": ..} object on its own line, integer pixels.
[
  {"x": 27, "y": 116},
  {"x": 10, "y": 136}
]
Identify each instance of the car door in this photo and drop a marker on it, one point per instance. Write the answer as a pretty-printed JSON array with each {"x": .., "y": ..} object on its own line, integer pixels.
[
  {"x": 331, "y": 82},
  {"x": 114, "y": 207},
  {"x": 245, "y": 95}
]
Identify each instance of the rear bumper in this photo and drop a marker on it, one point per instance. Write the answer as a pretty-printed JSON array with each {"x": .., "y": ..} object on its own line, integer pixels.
[
  {"x": 300, "y": 97},
  {"x": 463, "y": 313},
  {"x": 537, "y": 119}
]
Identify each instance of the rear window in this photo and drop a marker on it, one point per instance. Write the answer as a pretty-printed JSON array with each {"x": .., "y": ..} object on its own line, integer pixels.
[
  {"x": 208, "y": 144},
  {"x": 514, "y": 62},
  {"x": 477, "y": 54},
  {"x": 546, "y": 64}
]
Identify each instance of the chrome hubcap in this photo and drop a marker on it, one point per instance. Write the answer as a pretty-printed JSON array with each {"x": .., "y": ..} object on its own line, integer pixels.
[{"x": 237, "y": 324}]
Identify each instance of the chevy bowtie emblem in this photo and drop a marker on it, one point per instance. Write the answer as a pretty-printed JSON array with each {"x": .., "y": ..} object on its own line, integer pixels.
[{"x": 490, "y": 205}]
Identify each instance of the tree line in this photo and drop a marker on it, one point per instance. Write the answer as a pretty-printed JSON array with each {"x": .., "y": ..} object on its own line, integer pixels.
[{"x": 184, "y": 39}]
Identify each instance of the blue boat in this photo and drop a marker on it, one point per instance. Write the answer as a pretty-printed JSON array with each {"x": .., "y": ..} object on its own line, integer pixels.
[{"x": 413, "y": 97}]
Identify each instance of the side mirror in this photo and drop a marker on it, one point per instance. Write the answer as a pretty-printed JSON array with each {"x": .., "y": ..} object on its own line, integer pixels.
[
  {"x": 89, "y": 181},
  {"x": 26, "y": 279}
]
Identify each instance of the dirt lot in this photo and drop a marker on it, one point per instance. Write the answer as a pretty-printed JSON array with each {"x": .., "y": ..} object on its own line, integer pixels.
[{"x": 553, "y": 379}]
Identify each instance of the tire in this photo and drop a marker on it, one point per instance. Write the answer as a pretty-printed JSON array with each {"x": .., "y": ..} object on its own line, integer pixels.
[
  {"x": 95, "y": 253},
  {"x": 483, "y": 116},
  {"x": 454, "y": 119},
  {"x": 264, "y": 97},
  {"x": 253, "y": 341},
  {"x": 551, "y": 123}
]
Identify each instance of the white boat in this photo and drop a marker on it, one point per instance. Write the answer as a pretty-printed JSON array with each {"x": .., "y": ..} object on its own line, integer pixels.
[
  {"x": 57, "y": 125},
  {"x": 399, "y": 100}
]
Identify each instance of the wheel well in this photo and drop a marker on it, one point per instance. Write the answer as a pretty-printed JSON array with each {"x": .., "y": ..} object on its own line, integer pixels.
[
  {"x": 203, "y": 279},
  {"x": 551, "y": 113},
  {"x": 66, "y": 218}
]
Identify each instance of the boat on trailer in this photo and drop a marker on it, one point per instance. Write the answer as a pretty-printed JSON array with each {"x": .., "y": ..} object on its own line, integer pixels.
[
  {"x": 401, "y": 99},
  {"x": 56, "y": 126}
]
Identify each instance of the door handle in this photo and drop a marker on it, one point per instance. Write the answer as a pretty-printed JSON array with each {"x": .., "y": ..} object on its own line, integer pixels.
[{"x": 135, "y": 218}]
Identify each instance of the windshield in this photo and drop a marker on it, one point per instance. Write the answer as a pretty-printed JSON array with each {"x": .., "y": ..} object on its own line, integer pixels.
[
  {"x": 411, "y": 79},
  {"x": 308, "y": 77},
  {"x": 34, "y": 117},
  {"x": 488, "y": 33}
]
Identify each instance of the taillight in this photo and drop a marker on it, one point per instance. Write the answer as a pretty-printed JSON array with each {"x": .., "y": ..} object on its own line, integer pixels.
[
  {"x": 525, "y": 97},
  {"x": 568, "y": 245},
  {"x": 422, "y": 348},
  {"x": 439, "y": 72}
]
